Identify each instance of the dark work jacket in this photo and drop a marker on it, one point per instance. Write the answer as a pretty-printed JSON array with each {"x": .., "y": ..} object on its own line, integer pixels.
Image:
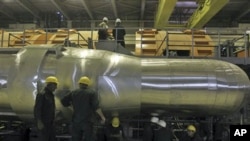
[
  {"x": 188, "y": 138},
  {"x": 119, "y": 33},
  {"x": 85, "y": 103},
  {"x": 103, "y": 31},
  {"x": 44, "y": 108},
  {"x": 114, "y": 134},
  {"x": 148, "y": 132},
  {"x": 103, "y": 34},
  {"x": 163, "y": 134}
]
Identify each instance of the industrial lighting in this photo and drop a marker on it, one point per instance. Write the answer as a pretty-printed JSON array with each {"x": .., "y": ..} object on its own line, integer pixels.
[{"x": 190, "y": 4}]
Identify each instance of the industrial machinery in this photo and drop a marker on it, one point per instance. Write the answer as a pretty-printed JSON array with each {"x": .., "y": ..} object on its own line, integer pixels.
[{"x": 128, "y": 86}]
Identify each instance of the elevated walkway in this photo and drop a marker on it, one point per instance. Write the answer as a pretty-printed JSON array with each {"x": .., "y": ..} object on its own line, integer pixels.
[{"x": 148, "y": 42}]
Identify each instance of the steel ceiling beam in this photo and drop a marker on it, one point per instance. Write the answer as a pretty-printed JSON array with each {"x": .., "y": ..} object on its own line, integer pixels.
[
  {"x": 96, "y": 8},
  {"x": 205, "y": 12},
  {"x": 113, "y": 3},
  {"x": 59, "y": 7},
  {"x": 244, "y": 11},
  {"x": 28, "y": 6},
  {"x": 86, "y": 7},
  {"x": 6, "y": 11},
  {"x": 143, "y": 4},
  {"x": 128, "y": 6},
  {"x": 164, "y": 11}
]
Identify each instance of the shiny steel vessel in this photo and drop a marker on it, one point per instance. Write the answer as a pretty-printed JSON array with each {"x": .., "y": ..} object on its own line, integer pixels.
[{"x": 125, "y": 84}]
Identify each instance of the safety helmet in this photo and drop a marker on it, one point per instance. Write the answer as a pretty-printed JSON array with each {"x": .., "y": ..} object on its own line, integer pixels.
[
  {"x": 84, "y": 80},
  {"x": 105, "y": 19},
  {"x": 162, "y": 123},
  {"x": 118, "y": 20},
  {"x": 154, "y": 119},
  {"x": 191, "y": 128},
  {"x": 51, "y": 79},
  {"x": 115, "y": 122}
]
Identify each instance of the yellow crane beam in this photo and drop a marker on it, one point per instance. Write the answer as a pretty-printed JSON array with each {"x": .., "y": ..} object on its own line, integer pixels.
[
  {"x": 164, "y": 11},
  {"x": 175, "y": 26},
  {"x": 205, "y": 12}
]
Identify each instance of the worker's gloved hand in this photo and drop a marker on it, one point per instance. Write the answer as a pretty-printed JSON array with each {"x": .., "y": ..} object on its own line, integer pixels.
[{"x": 40, "y": 125}]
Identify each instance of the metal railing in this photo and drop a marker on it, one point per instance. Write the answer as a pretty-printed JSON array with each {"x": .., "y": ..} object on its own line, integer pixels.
[
  {"x": 229, "y": 43},
  {"x": 23, "y": 41}
]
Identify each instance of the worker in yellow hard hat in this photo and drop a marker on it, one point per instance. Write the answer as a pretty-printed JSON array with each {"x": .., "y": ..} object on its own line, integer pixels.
[
  {"x": 84, "y": 101},
  {"x": 51, "y": 79},
  {"x": 84, "y": 80},
  {"x": 191, "y": 134},
  {"x": 44, "y": 110},
  {"x": 114, "y": 131},
  {"x": 191, "y": 128},
  {"x": 115, "y": 122}
]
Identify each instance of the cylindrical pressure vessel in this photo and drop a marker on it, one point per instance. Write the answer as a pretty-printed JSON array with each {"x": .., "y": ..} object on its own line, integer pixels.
[
  {"x": 192, "y": 86},
  {"x": 125, "y": 84}
]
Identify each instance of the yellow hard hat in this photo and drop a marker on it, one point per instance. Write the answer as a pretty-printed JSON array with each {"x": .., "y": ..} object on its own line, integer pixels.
[
  {"x": 51, "y": 79},
  {"x": 84, "y": 80},
  {"x": 115, "y": 122},
  {"x": 191, "y": 128}
]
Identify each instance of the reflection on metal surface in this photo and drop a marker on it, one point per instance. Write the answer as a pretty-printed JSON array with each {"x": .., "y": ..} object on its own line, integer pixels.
[
  {"x": 125, "y": 84},
  {"x": 8, "y": 114},
  {"x": 3, "y": 82},
  {"x": 203, "y": 87}
]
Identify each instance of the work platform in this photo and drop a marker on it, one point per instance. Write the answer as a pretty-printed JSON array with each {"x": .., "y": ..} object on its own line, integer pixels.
[{"x": 230, "y": 45}]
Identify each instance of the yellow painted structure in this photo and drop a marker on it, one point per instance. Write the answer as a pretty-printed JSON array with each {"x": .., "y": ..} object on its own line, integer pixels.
[
  {"x": 205, "y": 12},
  {"x": 164, "y": 11},
  {"x": 150, "y": 42},
  {"x": 20, "y": 39},
  {"x": 242, "y": 53},
  {"x": 197, "y": 43}
]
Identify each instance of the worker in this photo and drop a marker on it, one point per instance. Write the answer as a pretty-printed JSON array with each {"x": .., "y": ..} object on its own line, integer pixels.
[
  {"x": 44, "y": 110},
  {"x": 85, "y": 103},
  {"x": 103, "y": 29},
  {"x": 114, "y": 131},
  {"x": 149, "y": 128},
  {"x": 119, "y": 32},
  {"x": 163, "y": 133},
  {"x": 191, "y": 134},
  {"x": 67, "y": 42}
]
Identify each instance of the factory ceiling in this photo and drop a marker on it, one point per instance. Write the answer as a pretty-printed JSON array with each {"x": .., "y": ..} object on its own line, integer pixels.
[{"x": 161, "y": 13}]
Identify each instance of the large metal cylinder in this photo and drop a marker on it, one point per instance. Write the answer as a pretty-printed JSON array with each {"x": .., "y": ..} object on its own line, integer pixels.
[
  {"x": 125, "y": 84},
  {"x": 192, "y": 86}
]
